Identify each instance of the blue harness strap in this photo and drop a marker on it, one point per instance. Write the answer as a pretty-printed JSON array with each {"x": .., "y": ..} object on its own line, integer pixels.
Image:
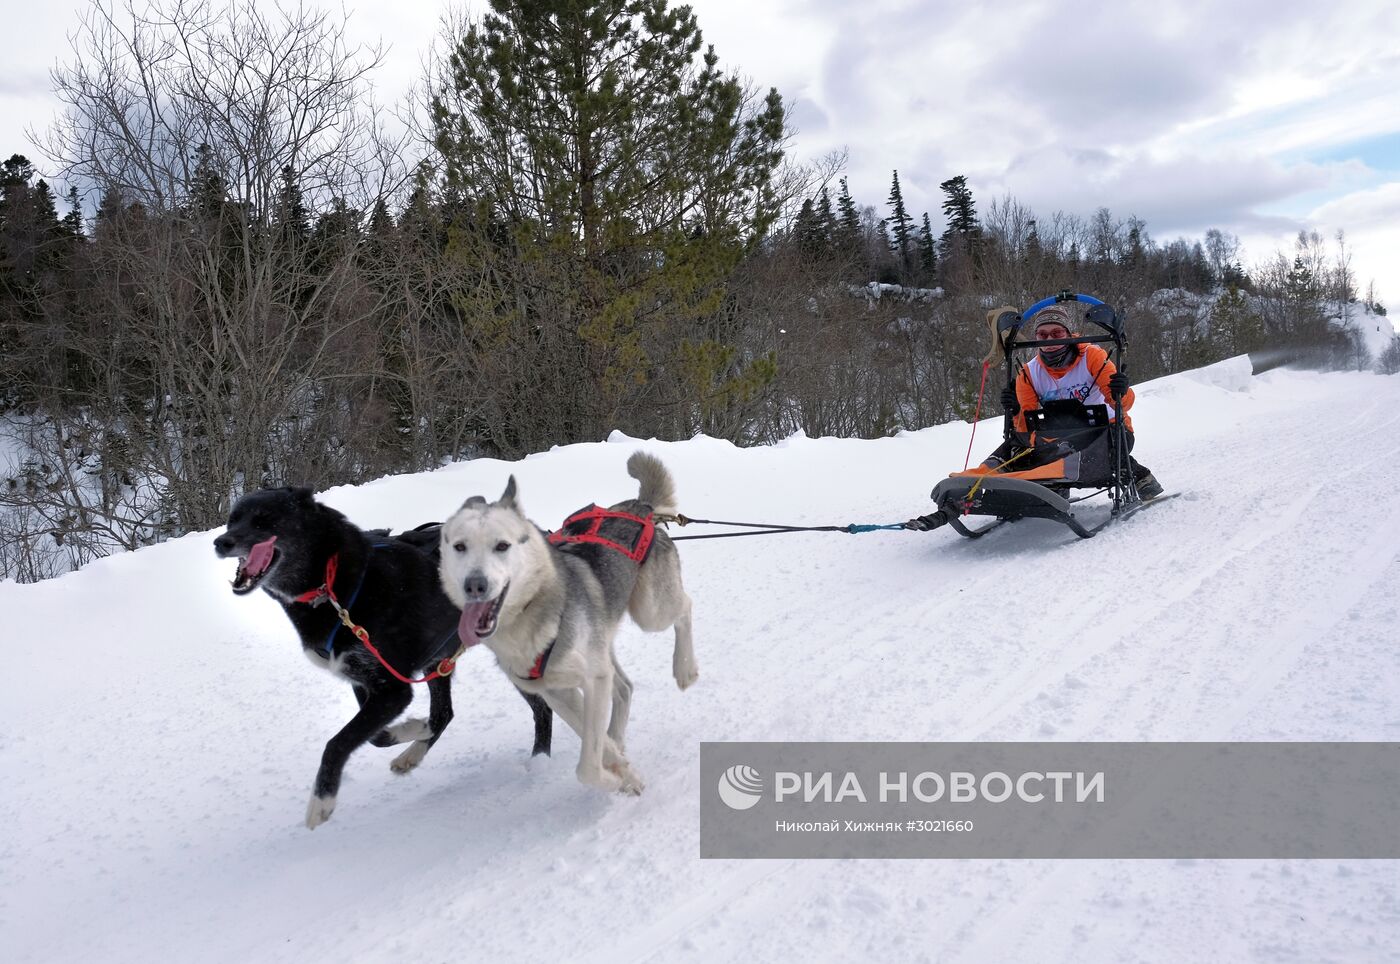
[{"x": 330, "y": 640}]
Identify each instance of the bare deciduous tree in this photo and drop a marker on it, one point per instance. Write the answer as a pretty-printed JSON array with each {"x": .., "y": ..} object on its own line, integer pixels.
[{"x": 230, "y": 328}]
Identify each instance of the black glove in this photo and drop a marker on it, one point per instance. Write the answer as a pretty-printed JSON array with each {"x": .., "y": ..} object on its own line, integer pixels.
[
  {"x": 1009, "y": 403},
  {"x": 1118, "y": 384},
  {"x": 926, "y": 523}
]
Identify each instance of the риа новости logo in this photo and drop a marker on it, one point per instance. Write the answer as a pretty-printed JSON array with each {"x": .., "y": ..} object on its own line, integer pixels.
[{"x": 740, "y": 787}]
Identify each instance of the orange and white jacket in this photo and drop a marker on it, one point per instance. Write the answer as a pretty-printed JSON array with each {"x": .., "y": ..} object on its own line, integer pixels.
[{"x": 1085, "y": 378}]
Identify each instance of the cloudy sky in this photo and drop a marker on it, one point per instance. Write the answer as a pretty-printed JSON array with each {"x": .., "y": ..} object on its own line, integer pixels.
[{"x": 1258, "y": 117}]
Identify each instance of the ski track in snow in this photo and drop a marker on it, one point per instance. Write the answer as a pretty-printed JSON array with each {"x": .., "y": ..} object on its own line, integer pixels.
[{"x": 160, "y": 736}]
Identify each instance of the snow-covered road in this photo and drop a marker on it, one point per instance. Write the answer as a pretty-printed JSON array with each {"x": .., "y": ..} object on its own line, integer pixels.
[{"x": 159, "y": 736}]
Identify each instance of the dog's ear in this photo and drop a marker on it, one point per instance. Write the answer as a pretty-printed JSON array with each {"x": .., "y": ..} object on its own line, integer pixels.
[
  {"x": 475, "y": 502},
  {"x": 508, "y": 497},
  {"x": 302, "y": 495}
]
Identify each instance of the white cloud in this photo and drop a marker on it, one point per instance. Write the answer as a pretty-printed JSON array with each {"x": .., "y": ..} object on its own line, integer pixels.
[
  {"x": 1174, "y": 195},
  {"x": 1190, "y": 114},
  {"x": 1377, "y": 207},
  {"x": 1371, "y": 220}
]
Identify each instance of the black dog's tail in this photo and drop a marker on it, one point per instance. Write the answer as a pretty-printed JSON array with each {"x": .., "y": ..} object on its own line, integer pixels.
[{"x": 657, "y": 489}]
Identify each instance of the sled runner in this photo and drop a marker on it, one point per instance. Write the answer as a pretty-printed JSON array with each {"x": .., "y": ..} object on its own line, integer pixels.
[{"x": 1069, "y": 446}]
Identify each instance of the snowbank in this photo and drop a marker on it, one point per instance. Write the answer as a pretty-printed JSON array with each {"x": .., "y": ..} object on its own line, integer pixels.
[{"x": 159, "y": 736}]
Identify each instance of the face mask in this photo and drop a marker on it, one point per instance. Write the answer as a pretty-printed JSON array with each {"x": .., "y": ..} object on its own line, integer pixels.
[{"x": 1059, "y": 357}]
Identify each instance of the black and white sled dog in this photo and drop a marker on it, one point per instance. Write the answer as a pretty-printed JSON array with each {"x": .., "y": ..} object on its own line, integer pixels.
[
  {"x": 296, "y": 549},
  {"x": 549, "y": 607}
]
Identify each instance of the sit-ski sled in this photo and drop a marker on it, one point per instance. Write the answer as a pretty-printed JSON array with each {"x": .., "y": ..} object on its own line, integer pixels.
[{"x": 1070, "y": 446}]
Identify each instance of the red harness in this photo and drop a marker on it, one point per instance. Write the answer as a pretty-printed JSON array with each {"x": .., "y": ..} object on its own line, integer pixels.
[
  {"x": 595, "y": 517},
  {"x": 542, "y": 661},
  {"x": 327, "y": 591}
]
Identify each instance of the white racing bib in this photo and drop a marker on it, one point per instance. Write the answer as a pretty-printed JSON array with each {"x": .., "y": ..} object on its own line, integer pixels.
[{"x": 1077, "y": 383}]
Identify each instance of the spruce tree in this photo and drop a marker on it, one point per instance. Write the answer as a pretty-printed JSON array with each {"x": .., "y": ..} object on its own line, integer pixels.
[
  {"x": 827, "y": 217},
  {"x": 379, "y": 235},
  {"x": 901, "y": 231},
  {"x": 807, "y": 228},
  {"x": 886, "y": 268},
  {"x": 964, "y": 231},
  {"x": 207, "y": 191},
  {"x": 73, "y": 220},
  {"x": 1135, "y": 259},
  {"x": 35, "y": 284},
  {"x": 1235, "y": 328},
  {"x": 848, "y": 216},
  {"x": 291, "y": 218},
  {"x": 928, "y": 254},
  {"x": 1300, "y": 285},
  {"x": 848, "y": 234}
]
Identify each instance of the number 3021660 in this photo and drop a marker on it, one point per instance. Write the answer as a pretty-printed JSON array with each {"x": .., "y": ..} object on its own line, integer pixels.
[{"x": 940, "y": 826}]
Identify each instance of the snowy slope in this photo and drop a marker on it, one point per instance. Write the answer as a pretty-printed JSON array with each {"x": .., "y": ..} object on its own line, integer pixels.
[
  {"x": 1376, "y": 330},
  {"x": 159, "y": 736}
]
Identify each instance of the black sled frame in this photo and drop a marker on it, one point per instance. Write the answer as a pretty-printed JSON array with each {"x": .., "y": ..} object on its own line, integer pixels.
[{"x": 1092, "y": 449}]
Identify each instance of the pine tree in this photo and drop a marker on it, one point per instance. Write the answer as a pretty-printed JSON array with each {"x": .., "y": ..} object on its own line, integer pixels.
[
  {"x": 928, "y": 254},
  {"x": 207, "y": 191},
  {"x": 807, "y": 229},
  {"x": 1300, "y": 285},
  {"x": 1135, "y": 259},
  {"x": 73, "y": 220},
  {"x": 15, "y": 173},
  {"x": 887, "y": 270},
  {"x": 827, "y": 216},
  {"x": 31, "y": 234},
  {"x": 1034, "y": 251},
  {"x": 1202, "y": 277},
  {"x": 629, "y": 175},
  {"x": 1234, "y": 276},
  {"x": 964, "y": 231},
  {"x": 36, "y": 253},
  {"x": 577, "y": 115},
  {"x": 1235, "y": 328},
  {"x": 848, "y": 220},
  {"x": 336, "y": 231},
  {"x": 109, "y": 207},
  {"x": 901, "y": 231},
  {"x": 291, "y": 219},
  {"x": 379, "y": 235}
]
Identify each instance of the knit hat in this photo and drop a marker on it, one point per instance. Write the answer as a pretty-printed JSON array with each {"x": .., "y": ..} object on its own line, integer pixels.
[{"x": 1054, "y": 315}]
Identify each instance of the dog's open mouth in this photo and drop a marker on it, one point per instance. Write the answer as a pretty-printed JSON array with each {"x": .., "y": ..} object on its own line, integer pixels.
[
  {"x": 478, "y": 620},
  {"x": 255, "y": 566}
]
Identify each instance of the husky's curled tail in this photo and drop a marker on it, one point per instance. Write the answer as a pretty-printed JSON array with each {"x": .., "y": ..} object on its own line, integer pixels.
[{"x": 657, "y": 489}]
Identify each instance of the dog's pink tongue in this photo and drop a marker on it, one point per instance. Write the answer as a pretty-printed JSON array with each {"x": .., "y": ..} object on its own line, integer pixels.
[
  {"x": 259, "y": 557},
  {"x": 468, "y": 627}
]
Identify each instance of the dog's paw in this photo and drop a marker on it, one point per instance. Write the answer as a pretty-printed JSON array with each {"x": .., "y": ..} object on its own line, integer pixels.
[
  {"x": 603, "y": 779},
  {"x": 409, "y": 758},
  {"x": 686, "y": 674},
  {"x": 318, "y": 811},
  {"x": 631, "y": 785}
]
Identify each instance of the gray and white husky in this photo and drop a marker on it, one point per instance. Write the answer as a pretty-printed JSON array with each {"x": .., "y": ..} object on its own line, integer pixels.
[{"x": 550, "y": 612}]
